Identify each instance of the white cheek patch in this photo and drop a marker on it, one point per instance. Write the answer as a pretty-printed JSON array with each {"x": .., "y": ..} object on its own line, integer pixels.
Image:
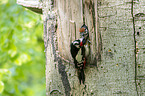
[{"x": 75, "y": 43}]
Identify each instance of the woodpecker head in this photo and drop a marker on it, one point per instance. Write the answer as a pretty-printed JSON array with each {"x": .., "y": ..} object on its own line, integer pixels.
[{"x": 84, "y": 32}]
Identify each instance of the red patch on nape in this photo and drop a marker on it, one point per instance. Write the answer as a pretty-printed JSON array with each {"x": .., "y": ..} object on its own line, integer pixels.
[
  {"x": 81, "y": 44},
  {"x": 82, "y": 29}
]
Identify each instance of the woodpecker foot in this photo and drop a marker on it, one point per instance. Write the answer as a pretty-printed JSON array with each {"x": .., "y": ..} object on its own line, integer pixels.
[{"x": 80, "y": 65}]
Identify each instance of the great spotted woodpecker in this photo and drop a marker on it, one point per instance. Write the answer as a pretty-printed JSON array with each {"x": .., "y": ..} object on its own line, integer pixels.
[{"x": 78, "y": 52}]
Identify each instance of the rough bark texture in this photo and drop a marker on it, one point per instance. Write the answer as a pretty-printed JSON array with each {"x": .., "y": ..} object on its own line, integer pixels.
[
  {"x": 116, "y": 62},
  {"x": 117, "y": 68},
  {"x": 116, "y": 52}
]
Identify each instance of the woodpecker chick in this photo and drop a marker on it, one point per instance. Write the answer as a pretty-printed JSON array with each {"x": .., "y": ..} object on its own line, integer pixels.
[{"x": 84, "y": 32}]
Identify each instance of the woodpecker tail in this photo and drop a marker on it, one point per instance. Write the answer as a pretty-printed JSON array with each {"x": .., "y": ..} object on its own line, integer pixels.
[{"x": 81, "y": 76}]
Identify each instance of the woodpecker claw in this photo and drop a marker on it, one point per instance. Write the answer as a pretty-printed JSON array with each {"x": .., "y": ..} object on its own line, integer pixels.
[{"x": 80, "y": 65}]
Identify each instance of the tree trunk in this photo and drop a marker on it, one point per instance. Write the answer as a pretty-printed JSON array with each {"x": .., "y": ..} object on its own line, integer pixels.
[{"x": 116, "y": 60}]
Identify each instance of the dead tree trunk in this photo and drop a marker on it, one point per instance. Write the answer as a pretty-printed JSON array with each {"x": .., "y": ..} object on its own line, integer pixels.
[
  {"x": 113, "y": 62},
  {"x": 116, "y": 61},
  {"x": 61, "y": 27}
]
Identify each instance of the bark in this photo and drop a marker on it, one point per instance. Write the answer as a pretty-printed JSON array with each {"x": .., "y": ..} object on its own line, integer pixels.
[
  {"x": 35, "y": 5},
  {"x": 113, "y": 67},
  {"x": 116, "y": 61}
]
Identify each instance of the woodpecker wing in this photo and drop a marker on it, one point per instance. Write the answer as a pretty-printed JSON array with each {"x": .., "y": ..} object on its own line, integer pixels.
[{"x": 75, "y": 48}]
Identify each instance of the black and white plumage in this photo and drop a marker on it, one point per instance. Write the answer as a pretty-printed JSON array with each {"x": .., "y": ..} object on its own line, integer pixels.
[
  {"x": 78, "y": 52},
  {"x": 84, "y": 32}
]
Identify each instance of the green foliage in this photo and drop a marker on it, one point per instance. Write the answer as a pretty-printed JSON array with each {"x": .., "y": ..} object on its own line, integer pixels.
[{"x": 22, "y": 60}]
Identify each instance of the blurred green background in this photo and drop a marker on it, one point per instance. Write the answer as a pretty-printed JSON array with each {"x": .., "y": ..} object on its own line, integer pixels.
[{"x": 22, "y": 60}]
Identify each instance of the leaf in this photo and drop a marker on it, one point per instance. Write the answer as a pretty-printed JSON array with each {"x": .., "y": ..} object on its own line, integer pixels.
[
  {"x": 5, "y": 74},
  {"x": 12, "y": 53},
  {"x": 23, "y": 58},
  {"x": 1, "y": 86}
]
